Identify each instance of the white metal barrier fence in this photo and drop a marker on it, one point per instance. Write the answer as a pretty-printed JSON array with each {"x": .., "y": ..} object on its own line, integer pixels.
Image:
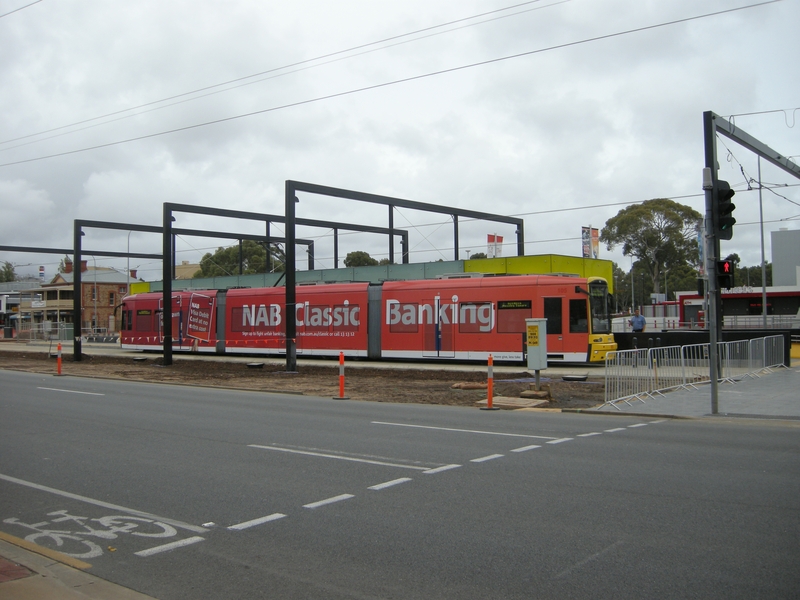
[
  {"x": 44, "y": 331},
  {"x": 634, "y": 375}
]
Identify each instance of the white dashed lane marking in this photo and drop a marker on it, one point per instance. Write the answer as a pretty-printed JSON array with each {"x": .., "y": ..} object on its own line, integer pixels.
[
  {"x": 476, "y": 431},
  {"x": 327, "y": 501},
  {"x": 170, "y": 546},
  {"x": 254, "y": 522},
  {"x": 485, "y": 458},
  {"x": 387, "y": 484},
  {"x": 440, "y": 469},
  {"x": 526, "y": 448},
  {"x": 368, "y": 461}
]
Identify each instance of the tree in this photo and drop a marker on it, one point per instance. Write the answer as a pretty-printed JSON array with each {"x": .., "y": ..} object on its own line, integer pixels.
[
  {"x": 478, "y": 255},
  {"x": 359, "y": 258},
  {"x": 225, "y": 261},
  {"x": 7, "y": 272},
  {"x": 751, "y": 276},
  {"x": 660, "y": 233}
]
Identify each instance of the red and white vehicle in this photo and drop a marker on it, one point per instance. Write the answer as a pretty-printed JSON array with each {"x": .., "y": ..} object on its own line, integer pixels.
[{"x": 457, "y": 319}]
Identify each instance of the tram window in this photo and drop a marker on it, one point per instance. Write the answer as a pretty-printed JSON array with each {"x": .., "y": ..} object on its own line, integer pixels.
[
  {"x": 578, "y": 321},
  {"x": 552, "y": 312},
  {"x": 144, "y": 320},
  {"x": 404, "y": 318},
  {"x": 475, "y": 317},
  {"x": 237, "y": 320},
  {"x": 511, "y": 315}
]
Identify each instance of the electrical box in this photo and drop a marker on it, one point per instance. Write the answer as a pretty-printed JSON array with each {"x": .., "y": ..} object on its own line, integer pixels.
[{"x": 537, "y": 344}]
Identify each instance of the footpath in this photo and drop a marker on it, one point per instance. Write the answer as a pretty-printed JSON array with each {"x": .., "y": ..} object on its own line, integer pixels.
[
  {"x": 774, "y": 395},
  {"x": 31, "y": 572}
]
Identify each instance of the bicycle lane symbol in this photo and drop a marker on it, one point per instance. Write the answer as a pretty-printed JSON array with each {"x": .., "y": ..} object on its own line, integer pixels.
[{"x": 69, "y": 533}]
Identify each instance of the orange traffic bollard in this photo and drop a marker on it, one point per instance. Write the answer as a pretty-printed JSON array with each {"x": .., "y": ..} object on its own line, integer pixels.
[
  {"x": 490, "y": 386},
  {"x": 341, "y": 395}
]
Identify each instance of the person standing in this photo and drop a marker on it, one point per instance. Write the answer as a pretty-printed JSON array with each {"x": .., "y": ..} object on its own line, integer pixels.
[{"x": 637, "y": 322}]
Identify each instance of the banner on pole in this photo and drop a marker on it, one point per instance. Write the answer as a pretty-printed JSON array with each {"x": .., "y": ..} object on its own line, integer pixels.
[
  {"x": 494, "y": 245},
  {"x": 590, "y": 240}
]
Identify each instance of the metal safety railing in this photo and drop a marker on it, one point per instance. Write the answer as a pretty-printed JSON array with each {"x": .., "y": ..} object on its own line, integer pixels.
[
  {"x": 635, "y": 375},
  {"x": 46, "y": 331}
]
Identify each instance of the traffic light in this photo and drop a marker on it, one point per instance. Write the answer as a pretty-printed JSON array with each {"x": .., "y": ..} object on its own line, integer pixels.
[
  {"x": 723, "y": 210},
  {"x": 725, "y": 274}
]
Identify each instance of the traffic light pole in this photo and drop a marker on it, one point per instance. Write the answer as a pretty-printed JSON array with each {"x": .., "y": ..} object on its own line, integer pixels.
[
  {"x": 712, "y": 255},
  {"x": 713, "y": 124}
]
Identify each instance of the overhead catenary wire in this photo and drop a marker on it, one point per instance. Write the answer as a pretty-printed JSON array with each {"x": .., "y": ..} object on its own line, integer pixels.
[
  {"x": 394, "y": 82},
  {"x": 284, "y": 68},
  {"x": 11, "y": 12}
]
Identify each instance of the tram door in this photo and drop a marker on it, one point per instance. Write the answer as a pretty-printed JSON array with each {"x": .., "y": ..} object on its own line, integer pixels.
[
  {"x": 553, "y": 308},
  {"x": 177, "y": 320},
  {"x": 438, "y": 330}
]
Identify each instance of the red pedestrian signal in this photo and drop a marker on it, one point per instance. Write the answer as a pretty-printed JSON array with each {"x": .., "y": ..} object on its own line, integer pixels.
[{"x": 725, "y": 274}]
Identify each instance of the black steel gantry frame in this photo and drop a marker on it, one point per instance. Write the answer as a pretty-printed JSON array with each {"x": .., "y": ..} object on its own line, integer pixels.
[
  {"x": 291, "y": 189},
  {"x": 78, "y": 252},
  {"x": 167, "y": 232}
]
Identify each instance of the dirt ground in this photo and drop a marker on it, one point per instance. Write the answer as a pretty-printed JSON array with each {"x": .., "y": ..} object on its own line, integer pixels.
[{"x": 397, "y": 384}]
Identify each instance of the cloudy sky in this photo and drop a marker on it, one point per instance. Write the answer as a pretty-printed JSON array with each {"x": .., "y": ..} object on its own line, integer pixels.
[{"x": 559, "y": 111}]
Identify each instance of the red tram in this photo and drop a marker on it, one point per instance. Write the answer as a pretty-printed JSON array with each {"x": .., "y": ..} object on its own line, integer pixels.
[{"x": 458, "y": 319}]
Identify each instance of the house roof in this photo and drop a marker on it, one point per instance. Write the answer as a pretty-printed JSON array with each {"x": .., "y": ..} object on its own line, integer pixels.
[{"x": 101, "y": 275}]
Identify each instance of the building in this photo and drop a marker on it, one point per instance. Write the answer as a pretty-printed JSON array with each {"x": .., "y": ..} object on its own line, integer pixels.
[
  {"x": 50, "y": 307},
  {"x": 786, "y": 257},
  {"x": 12, "y": 293}
]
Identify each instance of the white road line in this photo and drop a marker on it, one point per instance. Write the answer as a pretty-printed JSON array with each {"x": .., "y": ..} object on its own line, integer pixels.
[
  {"x": 659, "y": 421},
  {"x": 171, "y": 546},
  {"x": 485, "y": 458},
  {"x": 329, "y": 501},
  {"x": 540, "y": 437},
  {"x": 559, "y": 441},
  {"x": 69, "y": 391},
  {"x": 589, "y": 434},
  {"x": 338, "y": 457},
  {"x": 102, "y": 504},
  {"x": 383, "y": 486},
  {"x": 526, "y": 448},
  {"x": 440, "y": 469},
  {"x": 254, "y": 522},
  {"x": 637, "y": 425},
  {"x": 615, "y": 429}
]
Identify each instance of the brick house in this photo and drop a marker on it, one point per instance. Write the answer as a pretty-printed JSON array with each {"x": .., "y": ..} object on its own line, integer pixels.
[{"x": 102, "y": 289}]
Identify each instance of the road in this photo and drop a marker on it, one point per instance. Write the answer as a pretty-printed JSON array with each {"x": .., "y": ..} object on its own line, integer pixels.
[{"x": 248, "y": 495}]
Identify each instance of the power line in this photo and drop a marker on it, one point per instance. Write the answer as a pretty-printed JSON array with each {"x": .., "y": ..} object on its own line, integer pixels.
[
  {"x": 785, "y": 111},
  {"x": 276, "y": 69},
  {"x": 395, "y": 82},
  {"x": 19, "y": 9}
]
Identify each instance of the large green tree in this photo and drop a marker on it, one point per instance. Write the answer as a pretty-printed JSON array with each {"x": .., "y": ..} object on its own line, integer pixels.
[
  {"x": 7, "y": 272},
  {"x": 661, "y": 234},
  {"x": 359, "y": 258},
  {"x": 225, "y": 261}
]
